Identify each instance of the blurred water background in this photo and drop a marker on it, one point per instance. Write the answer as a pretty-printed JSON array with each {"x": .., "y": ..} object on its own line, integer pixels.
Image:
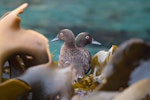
[{"x": 109, "y": 21}]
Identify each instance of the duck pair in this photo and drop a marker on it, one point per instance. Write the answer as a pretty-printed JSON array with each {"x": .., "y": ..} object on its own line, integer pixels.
[{"x": 73, "y": 51}]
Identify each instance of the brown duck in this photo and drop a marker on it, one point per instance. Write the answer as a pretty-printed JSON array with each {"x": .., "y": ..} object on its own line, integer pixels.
[
  {"x": 83, "y": 39},
  {"x": 67, "y": 49},
  {"x": 71, "y": 53}
]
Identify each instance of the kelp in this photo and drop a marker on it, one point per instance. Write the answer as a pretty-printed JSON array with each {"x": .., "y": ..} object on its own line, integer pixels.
[
  {"x": 101, "y": 58},
  {"x": 17, "y": 41},
  {"x": 89, "y": 82}
]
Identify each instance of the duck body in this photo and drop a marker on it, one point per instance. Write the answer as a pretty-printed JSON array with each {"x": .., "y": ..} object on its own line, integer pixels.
[
  {"x": 73, "y": 52},
  {"x": 79, "y": 57},
  {"x": 83, "y": 39},
  {"x": 67, "y": 55},
  {"x": 84, "y": 59}
]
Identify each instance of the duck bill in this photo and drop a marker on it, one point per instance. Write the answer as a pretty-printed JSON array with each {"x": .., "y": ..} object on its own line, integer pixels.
[
  {"x": 55, "y": 39},
  {"x": 95, "y": 42}
]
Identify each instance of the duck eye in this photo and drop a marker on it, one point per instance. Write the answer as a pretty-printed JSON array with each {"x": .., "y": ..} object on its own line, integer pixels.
[
  {"x": 87, "y": 37},
  {"x": 61, "y": 34}
]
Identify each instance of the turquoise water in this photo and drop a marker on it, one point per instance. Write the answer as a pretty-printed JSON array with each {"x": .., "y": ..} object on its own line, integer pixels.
[
  {"x": 55, "y": 48},
  {"x": 109, "y": 21}
]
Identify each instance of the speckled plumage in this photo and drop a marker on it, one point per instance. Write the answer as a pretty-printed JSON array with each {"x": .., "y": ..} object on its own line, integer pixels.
[
  {"x": 71, "y": 53},
  {"x": 83, "y": 39},
  {"x": 68, "y": 49}
]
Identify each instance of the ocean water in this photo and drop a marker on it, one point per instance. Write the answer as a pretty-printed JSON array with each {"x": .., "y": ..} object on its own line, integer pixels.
[
  {"x": 109, "y": 22},
  {"x": 55, "y": 48}
]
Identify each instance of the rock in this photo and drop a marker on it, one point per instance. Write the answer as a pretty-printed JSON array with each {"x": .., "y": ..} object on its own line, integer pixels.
[
  {"x": 49, "y": 82},
  {"x": 126, "y": 59},
  {"x": 137, "y": 91},
  {"x": 103, "y": 95}
]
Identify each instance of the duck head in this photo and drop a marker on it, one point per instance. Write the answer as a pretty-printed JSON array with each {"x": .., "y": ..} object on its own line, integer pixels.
[
  {"x": 65, "y": 35},
  {"x": 84, "y": 38}
]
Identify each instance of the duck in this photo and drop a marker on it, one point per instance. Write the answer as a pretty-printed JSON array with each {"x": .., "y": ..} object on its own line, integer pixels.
[
  {"x": 70, "y": 53},
  {"x": 73, "y": 53},
  {"x": 81, "y": 40},
  {"x": 67, "y": 49}
]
